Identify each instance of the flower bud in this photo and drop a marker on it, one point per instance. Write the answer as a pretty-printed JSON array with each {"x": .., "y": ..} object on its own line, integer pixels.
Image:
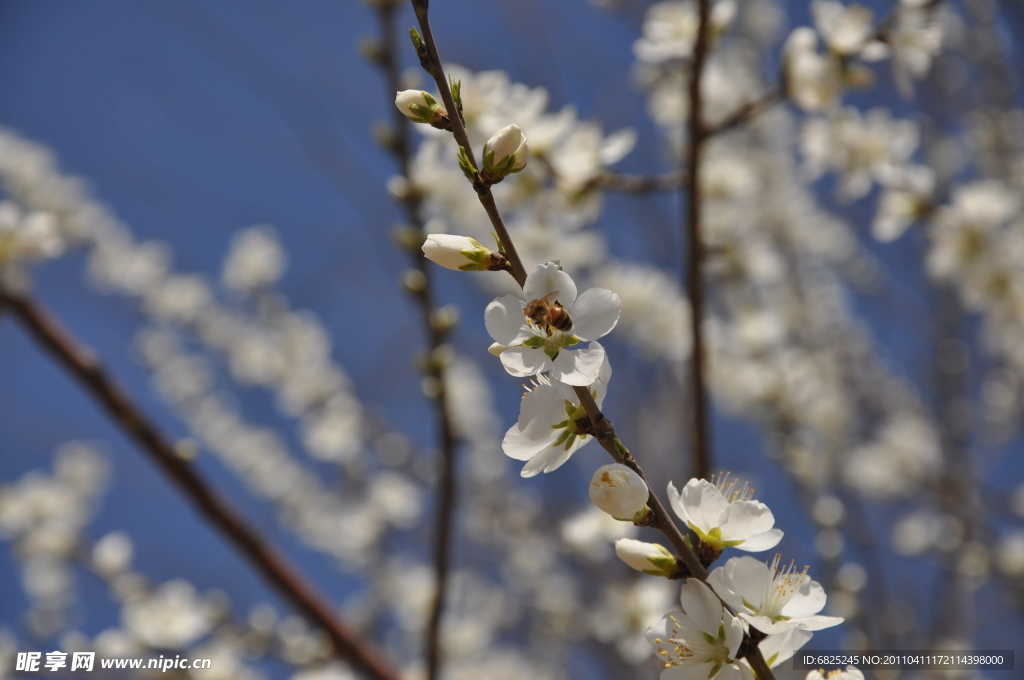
[
  {"x": 458, "y": 252},
  {"x": 419, "y": 106},
  {"x": 620, "y": 492},
  {"x": 506, "y": 151},
  {"x": 649, "y": 558}
]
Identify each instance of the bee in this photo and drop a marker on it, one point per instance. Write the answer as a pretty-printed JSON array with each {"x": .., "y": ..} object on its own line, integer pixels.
[{"x": 546, "y": 311}]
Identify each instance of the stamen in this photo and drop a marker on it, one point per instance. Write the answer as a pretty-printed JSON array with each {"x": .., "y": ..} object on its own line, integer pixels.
[{"x": 727, "y": 485}]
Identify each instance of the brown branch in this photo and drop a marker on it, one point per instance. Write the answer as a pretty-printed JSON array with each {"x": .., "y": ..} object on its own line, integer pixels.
[
  {"x": 701, "y": 447},
  {"x": 436, "y": 336},
  {"x": 749, "y": 111},
  {"x": 604, "y": 430},
  {"x": 639, "y": 184},
  {"x": 82, "y": 364}
]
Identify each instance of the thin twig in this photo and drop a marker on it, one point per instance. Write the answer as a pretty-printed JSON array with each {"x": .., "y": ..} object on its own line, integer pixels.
[
  {"x": 749, "y": 111},
  {"x": 82, "y": 364},
  {"x": 433, "y": 66},
  {"x": 701, "y": 448},
  {"x": 604, "y": 430},
  {"x": 401, "y": 148}
]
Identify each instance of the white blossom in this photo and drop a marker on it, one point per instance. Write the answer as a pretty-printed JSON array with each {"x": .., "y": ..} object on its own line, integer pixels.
[
  {"x": 702, "y": 641},
  {"x": 905, "y": 195},
  {"x": 536, "y": 346},
  {"x": 256, "y": 259},
  {"x": 418, "y": 106},
  {"x": 670, "y": 29},
  {"x": 506, "y": 151},
  {"x": 460, "y": 253},
  {"x": 845, "y": 28},
  {"x": 172, "y": 617},
  {"x": 770, "y": 599},
  {"x": 619, "y": 491},
  {"x": 725, "y": 516},
  {"x": 650, "y": 558},
  {"x": 813, "y": 80},
  {"x": 547, "y": 432}
]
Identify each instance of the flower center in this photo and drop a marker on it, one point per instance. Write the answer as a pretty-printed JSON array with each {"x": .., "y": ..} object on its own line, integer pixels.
[
  {"x": 729, "y": 487},
  {"x": 780, "y": 589}
]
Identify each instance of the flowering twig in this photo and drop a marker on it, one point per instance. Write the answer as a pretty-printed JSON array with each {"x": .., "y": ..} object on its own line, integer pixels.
[
  {"x": 695, "y": 245},
  {"x": 600, "y": 426},
  {"x": 437, "y": 329},
  {"x": 82, "y": 364},
  {"x": 430, "y": 61}
]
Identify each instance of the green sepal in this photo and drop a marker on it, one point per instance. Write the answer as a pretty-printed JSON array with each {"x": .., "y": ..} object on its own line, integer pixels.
[
  {"x": 638, "y": 517},
  {"x": 570, "y": 340},
  {"x": 570, "y": 408},
  {"x": 467, "y": 166},
  {"x": 456, "y": 88},
  {"x": 666, "y": 565},
  {"x": 501, "y": 248},
  {"x": 564, "y": 423},
  {"x": 431, "y": 102},
  {"x": 715, "y": 669},
  {"x": 561, "y": 439},
  {"x": 711, "y": 639},
  {"x": 489, "y": 160},
  {"x": 570, "y": 441},
  {"x": 552, "y": 353},
  {"x": 423, "y": 114},
  {"x": 534, "y": 342}
]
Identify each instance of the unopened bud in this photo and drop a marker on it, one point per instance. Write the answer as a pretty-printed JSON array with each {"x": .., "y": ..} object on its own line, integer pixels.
[
  {"x": 419, "y": 106},
  {"x": 620, "y": 492},
  {"x": 649, "y": 558},
  {"x": 458, "y": 252},
  {"x": 505, "y": 152}
]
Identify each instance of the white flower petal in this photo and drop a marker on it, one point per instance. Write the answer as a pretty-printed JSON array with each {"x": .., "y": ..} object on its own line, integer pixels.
[
  {"x": 595, "y": 313},
  {"x": 525, "y": 361},
  {"x": 518, "y": 446},
  {"x": 552, "y": 459},
  {"x": 546, "y": 279},
  {"x": 808, "y": 600},
  {"x": 504, "y": 319},
  {"x": 778, "y": 648},
  {"x": 677, "y": 503},
  {"x": 741, "y": 578},
  {"x": 762, "y": 541},
  {"x": 701, "y": 605},
  {"x": 540, "y": 409},
  {"x": 580, "y": 367},
  {"x": 704, "y": 503},
  {"x": 745, "y": 518},
  {"x": 819, "y": 622}
]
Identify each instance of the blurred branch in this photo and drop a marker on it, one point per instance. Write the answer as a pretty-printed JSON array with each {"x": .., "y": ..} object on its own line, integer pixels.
[
  {"x": 81, "y": 363},
  {"x": 639, "y": 184},
  {"x": 749, "y": 111},
  {"x": 399, "y": 144},
  {"x": 695, "y": 244},
  {"x": 602, "y": 428}
]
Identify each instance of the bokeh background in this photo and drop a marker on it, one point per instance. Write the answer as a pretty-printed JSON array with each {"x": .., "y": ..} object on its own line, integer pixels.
[{"x": 193, "y": 120}]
